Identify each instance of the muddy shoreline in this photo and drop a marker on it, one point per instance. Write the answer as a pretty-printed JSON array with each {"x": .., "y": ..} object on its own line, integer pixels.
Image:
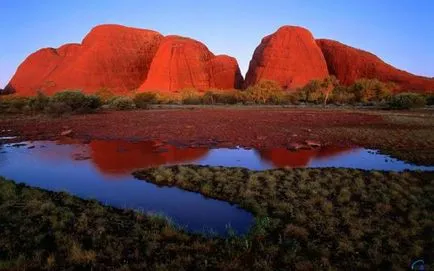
[{"x": 405, "y": 135}]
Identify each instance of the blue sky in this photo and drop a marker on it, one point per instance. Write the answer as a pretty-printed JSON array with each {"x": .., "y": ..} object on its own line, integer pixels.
[{"x": 401, "y": 32}]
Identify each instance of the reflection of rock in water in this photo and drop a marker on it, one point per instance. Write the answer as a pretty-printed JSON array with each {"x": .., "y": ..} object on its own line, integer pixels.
[
  {"x": 122, "y": 157},
  {"x": 282, "y": 157}
]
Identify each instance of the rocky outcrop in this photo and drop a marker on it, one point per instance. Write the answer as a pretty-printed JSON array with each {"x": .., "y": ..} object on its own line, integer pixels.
[
  {"x": 182, "y": 63},
  {"x": 349, "y": 64},
  {"x": 122, "y": 59},
  {"x": 110, "y": 56},
  {"x": 289, "y": 56},
  {"x": 119, "y": 58}
]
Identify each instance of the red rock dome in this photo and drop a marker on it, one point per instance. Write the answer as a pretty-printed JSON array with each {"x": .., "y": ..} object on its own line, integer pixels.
[
  {"x": 289, "y": 56},
  {"x": 182, "y": 63},
  {"x": 349, "y": 64},
  {"x": 119, "y": 58},
  {"x": 110, "y": 56}
]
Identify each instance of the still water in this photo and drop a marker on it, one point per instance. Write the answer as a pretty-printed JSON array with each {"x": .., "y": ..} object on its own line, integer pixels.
[{"x": 101, "y": 170}]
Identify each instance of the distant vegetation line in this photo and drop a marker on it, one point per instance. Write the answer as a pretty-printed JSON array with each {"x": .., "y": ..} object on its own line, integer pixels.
[{"x": 327, "y": 91}]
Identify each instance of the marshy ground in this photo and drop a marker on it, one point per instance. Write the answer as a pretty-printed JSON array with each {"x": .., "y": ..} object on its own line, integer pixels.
[
  {"x": 305, "y": 218},
  {"x": 337, "y": 219}
]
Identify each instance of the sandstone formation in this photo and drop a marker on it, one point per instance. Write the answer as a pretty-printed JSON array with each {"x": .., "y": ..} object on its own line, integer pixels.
[
  {"x": 119, "y": 58},
  {"x": 290, "y": 56},
  {"x": 349, "y": 64},
  {"x": 122, "y": 59},
  {"x": 182, "y": 63},
  {"x": 110, "y": 56}
]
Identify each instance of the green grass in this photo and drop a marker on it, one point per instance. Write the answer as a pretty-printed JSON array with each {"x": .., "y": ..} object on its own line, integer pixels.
[{"x": 321, "y": 219}]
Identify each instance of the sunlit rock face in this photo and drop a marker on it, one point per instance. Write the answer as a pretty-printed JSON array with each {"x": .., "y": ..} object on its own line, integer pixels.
[
  {"x": 184, "y": 63},
  {"x": 119, "y": 59},
  {"x": 111, "y": 56},
  {"x": 290, "y": 56},
  {"x": 349, "y": 64},
  {"x": 125, "y": 59}
]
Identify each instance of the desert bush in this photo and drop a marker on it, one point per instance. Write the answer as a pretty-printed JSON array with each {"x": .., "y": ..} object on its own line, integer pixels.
[
  {"x": 312, "y": 92},
  {"x": 209, "y": 98},
  {"x": 291, "y": 97},
  {"x": 143, "y": 100},
  {"x": 265, "y": 92},
  {"x": 105, "y": 95},
  {"x": 57, "y": 108},
  {"x": 75, "y": 101},
  {"x": 122, "y": 103},
  {"x": 190, "y": 96},
  {"x": 371, "y": 90},
  {"x": 407, "y": 101},
  {"x": 73, "y": 98},
  {"x": 39, "y": 102},
  {"x": 13, "y": 104},
  {"x": 90, "y": 104},
  {"x": 342, "y": 95},
  {"x": 221, "y": 97},
  {"x": 429, "y": 99}
]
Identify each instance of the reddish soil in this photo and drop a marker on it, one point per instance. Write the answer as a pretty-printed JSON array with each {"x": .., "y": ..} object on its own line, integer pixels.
[
  {"x": 219, "y": 126},
  {"x": 405, "y": 135}
]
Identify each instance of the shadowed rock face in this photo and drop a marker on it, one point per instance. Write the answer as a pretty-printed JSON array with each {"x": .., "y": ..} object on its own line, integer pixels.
[
  {"x": 186, "y": 63},
  {"x": 289, "y": 56},
  {"x": 110, "y": 56},
  {"x": 349, "y": 64}
]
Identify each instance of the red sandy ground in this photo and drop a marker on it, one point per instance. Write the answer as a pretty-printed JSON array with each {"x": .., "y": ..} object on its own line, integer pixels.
[
  {"x": 217, "y": 126},
  {"x": 405, "y": 135}
]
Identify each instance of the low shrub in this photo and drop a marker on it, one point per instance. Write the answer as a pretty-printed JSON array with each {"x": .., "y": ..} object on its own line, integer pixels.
[
  {"x": 105, "y": 95},
  {"x": 13, "y": 104},
  {"x": 90, "y": 104},
  {"x": 75, "y": 101},
  {"x": 222, "y": 97},
  {"x": 190, "y": 96},
  {"x": 57, "y": 108},
  {"x": 39, "y": 102},
  {"x": 371, "y": 90},
  {"x": 72, "y": 98},
  {"x": 122, "y": 103},
  {"x": 143, "y": 100},
  {"x": 429, "y": 99},
  {"x": 342, "y": 95},
  {"x": 265, "y": 92},
  {"x": 312, "y": 92},
  {"x": 168, "y": 98},
  {"x": 407, "y": 101}
]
